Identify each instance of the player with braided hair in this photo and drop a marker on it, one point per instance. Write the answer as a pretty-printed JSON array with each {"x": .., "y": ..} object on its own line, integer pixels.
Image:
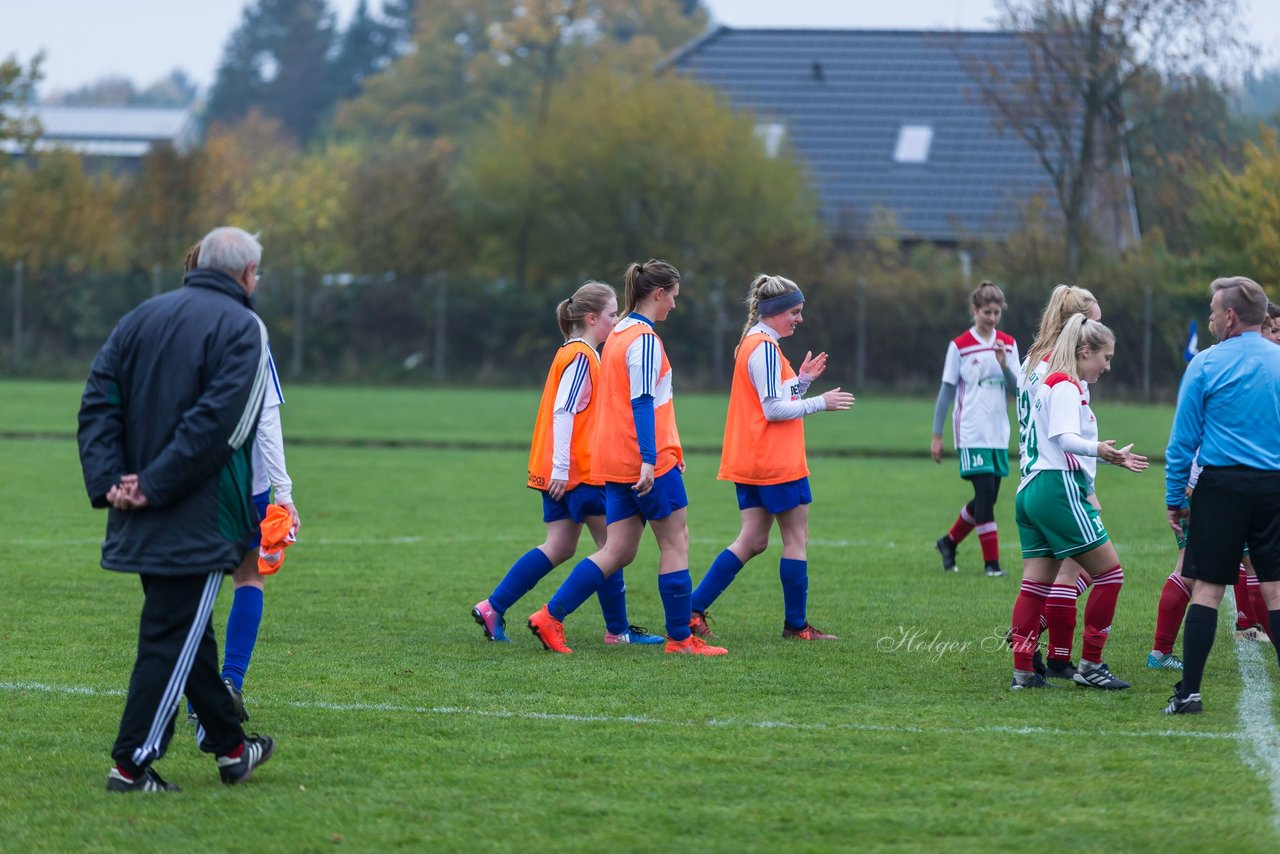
[{"x": 764, "y": 454}]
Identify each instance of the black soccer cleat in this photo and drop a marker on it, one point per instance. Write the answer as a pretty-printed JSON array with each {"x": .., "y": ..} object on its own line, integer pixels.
[
  {"x": 1024, "y": 680},
  {"x": 1060, "y": 670},
  {"x": 149, "y": 781},
  {"x": 947, "y": 549},
  {"x": 1188, "y": 705},
  {"x": 257, "y": 750},
  {"x": 1180, "y": 705},
  {"x": 1099, "y": 677},
  {"x": 993, "y": 569}
]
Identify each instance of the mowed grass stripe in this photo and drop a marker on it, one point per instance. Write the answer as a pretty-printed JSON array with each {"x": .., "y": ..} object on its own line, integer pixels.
[{"x": 498, "y": 419}]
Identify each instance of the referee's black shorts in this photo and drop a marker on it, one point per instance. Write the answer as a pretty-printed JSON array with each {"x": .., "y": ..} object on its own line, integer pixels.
[{"x": 1234, "y": 506}]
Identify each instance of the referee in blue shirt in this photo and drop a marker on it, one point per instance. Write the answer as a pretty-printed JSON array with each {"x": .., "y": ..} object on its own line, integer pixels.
[{"x": 1228, "y": 408}]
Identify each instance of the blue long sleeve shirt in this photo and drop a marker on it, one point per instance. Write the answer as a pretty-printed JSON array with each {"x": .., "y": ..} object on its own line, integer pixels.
[{"x": 1229, "y": 408}]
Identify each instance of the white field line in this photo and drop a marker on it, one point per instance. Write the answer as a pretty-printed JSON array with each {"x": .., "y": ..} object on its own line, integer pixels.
[
  {"x": 1259, "y": 741},
  {"x": 72, "y": 690}
]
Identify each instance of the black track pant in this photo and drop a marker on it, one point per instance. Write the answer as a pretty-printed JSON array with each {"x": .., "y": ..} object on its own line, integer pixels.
[
  {"x": 177, "y": 655},
  {"x": 986, "y": 489}
]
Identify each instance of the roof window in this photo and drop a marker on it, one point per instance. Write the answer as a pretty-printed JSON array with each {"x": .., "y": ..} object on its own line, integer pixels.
[
  {"x": 913, "y": 144},
  {"x": 771, "y": 135}
]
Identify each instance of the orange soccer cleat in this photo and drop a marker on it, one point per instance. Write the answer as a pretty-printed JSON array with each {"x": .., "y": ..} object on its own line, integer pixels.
[
  {"x": 549, "y": 630},
  {"x": 694, "y": 645},
  {"x": 698, "y": 625},
  {"x": 808, "y": 633}
]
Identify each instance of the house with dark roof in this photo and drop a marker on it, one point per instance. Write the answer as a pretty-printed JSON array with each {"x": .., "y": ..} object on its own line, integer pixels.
[{"x": 893, "y": 120}]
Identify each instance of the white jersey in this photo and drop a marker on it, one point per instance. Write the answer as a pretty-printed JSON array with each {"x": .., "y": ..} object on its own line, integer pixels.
[
  {"x": 1028, "y": 388},
  {"x": 269, "y": 471},
  {"x": 980, "y": 418},
  {"x": 1061, "y": 406},
  {"x": 573, "y": 395},
  {"x": 644, "y": 366}
]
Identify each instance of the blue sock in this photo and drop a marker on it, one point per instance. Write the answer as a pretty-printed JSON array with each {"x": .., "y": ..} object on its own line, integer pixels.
[
  {"x": 613, "y": 603},
  {"x": 795, "y": 591},
  {"x": 523, "y": 575},
  {"x": 584, "y": 581},
  {"x": 721, "y": 574},
  {"x": 242, "y": 633},
  {"x": 676, "y": 589}
]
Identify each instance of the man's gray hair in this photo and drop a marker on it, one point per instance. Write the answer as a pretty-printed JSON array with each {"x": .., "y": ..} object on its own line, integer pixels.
[
  {"x": 229, "y": 249},
  {"x": 1244, "y": 295}
]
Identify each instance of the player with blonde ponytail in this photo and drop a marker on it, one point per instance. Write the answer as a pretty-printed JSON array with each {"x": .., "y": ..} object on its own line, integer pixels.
[
  {"x": 764, "y": 454},
  {"x": 1055, "y": 518}
]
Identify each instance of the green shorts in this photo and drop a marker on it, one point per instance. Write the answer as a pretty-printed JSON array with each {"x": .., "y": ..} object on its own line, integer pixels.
[
  {"x": 1055, "y": 518},
  {"x": 983, "y": 461}
]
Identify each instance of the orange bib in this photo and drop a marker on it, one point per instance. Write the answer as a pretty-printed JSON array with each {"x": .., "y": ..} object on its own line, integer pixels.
[
  {"x": 756, "y": 450},
  {"x": 616, "y": 451},
  {"x": 542, "y": 449}
]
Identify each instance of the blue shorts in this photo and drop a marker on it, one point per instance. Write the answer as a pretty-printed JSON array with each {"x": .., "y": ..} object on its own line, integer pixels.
[
  {"x": 666, "y": 497},
  {"x": 776, "y": 497},
  {"x": 577, "y": 504},
  {"x": 261, "y": 500}
]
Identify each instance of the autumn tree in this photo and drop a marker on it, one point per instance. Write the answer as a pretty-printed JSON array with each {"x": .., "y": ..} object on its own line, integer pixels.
[
  {"x": 60, "y": 223},
  {"x": 1064, "y": 93},
  {"x": 1238, "y": 216},
  {"x": 1181, "y": 128},
  {"x": 631, "y": 168},
  {"x": 17, "y": 87},
  {"x": 162, "y": 207},
  {"x": 296, "y": 207},
  {"x": 471, "y": 56}
]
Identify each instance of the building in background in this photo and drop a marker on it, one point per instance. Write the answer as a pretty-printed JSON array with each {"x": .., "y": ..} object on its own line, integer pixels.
[
  {"x": 115, "y": 138},
  {"x": 892, "y": 120}
]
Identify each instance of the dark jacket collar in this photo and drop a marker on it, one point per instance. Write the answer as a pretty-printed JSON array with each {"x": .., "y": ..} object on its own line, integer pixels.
[{"x": 216, "y": 280}]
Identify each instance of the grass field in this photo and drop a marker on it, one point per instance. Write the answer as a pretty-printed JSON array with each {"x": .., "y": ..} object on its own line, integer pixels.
[{"x": 399, "y": 727}]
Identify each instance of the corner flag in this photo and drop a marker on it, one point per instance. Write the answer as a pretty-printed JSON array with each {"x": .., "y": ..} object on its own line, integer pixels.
[{"x": 1193, "y": 344}]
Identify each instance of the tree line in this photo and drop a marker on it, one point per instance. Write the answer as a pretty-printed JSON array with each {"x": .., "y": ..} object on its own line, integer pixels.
[{"x": 430, "y": 181}]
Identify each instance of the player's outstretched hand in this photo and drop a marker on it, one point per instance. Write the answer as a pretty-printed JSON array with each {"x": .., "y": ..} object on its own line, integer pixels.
[
  {"x": 813, "y": 366},
  {"x": 837, "y": 399},
  {"x": 1122, "y": 457}
]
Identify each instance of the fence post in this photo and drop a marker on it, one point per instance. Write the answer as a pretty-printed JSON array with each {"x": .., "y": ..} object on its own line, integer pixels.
[
  {"x": 155, "y": 279},
  {"x": 1147, "y": 320},
  {"x": 17, "y": 314},
  {"x": 299, "y": 302},
  {"x": 442, "y": 300},
  {"x": 860, "y": 336},
  {"x": 719, "y": 328}
]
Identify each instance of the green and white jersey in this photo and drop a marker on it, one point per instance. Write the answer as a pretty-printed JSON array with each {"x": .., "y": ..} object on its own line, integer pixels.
[{"x": 1061, "y": 407}]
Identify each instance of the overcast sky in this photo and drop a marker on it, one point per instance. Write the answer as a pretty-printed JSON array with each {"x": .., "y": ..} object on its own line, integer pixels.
[{"x": 145, "y": 39}]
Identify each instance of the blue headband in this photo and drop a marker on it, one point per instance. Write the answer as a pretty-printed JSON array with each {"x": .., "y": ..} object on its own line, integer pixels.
[{"x": 779, "y": 304}]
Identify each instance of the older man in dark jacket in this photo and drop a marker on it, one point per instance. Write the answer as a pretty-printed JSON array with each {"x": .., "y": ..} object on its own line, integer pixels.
[{"x": 166, "y": 426}]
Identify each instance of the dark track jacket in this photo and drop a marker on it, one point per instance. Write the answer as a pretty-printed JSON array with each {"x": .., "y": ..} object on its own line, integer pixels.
[{"x": 174, "y": 396}]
